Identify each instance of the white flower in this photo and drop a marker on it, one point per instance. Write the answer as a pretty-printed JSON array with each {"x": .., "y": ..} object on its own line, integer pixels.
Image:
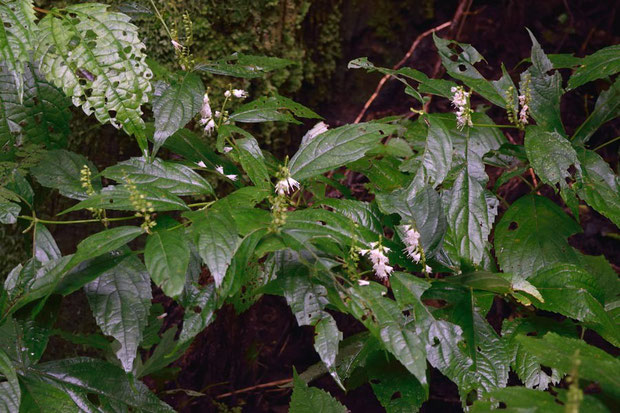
[
  {"x": 210, "y": 127},
  {"x": 201, "y": 164},
  {"x": 412, "y": 243},
  {"x": 239, "y": 93},
  {"x": 205, "y": 111},
  {"x": 227, "y": 149},
  {"x": 231, "y": 177},
  {"x": 379, "y": 260},
  {"x": 287, "y": 185},
  {"x": 428, "y": 269},
  {"x": 460, "y": 100},
  {"x": 219, "y": 169},
  {"x": 227, "y": 93},
  {"x": 217, "y": 114},
  {"x": 363, "y": 282},
  {"x": 177, "y": 45}
]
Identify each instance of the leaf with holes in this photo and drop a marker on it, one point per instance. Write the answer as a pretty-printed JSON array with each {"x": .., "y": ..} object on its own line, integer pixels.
[
  {"x": 243, "y": 66},
  {"x": 311, "y": 400},
  {"x": 604, "y": 62},
  {"x": 120, "y": 300},
  {"x": 97, "y": 59},
  {"x": 550, "y": 154},
  {"x": 532, "y": 235}
]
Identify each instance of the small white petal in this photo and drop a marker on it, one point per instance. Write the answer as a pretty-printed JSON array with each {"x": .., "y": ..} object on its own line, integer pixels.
[
  {"x": 201, "y": 164},
  {"x": 232, "y": 177},
  {"x": 240, "y": 93},
  {"x": 363, "y": 282},
  {"x": 227, "y": 149},
  {"x": 219, "y": 169},
  {"x": 227, "y": 93}
]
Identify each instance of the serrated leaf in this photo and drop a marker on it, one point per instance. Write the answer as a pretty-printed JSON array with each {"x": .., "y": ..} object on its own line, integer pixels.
[
  {"x": 462, "y": 68},
  {"x": 362, "y": 213},
  {"x": 166, "y": 256},
  {"x": 598, "y": 185},
  {"x": 96, "y": 57},
  {"x": 17, "y": 37},
  {"x": 193, "y": 148},
  {"x": 571, "y": 291},
  {"x": 545, "y": 90},
  {"x": 200, "y": 305},
  {"x": 550, "y": 154},
  {"x": 517, "y": 399},
  {"x": 45, "y": 247},
  {"x": 36, "y": 113},
  {"x": 253, "y": 162},
  {"x": 37, "y": 394},
  {"x": 437, "y": 157},
  {"x": 120, "y": 300},
  {"x": 118, "y": 197},
  {"x": 532, "y": 235},
  {"x": 326, "y": 339},
  {"x": 103, "y": 242},
  {"x": 273, "y": 108},
  {"x": 61, "y": 169},
  {"x": 176, "y": 106},
  {"x": 215, "y": 235},
  {"x": 336, "y": 148},
  {"x": 397, "y": 390},
  {"x": 243, "y": 66},
  {"x": 561, "y": 353},
  {"x": 172, "y": 177},
  {"x": 10, "y": 392},
  {"x": 305, "y": 298},
  {"x": 311, "y": 400},
  {"x": 606, "y": 108},
  {"x": 84, "y": 375},
  {"x": 604, "y": 62}
]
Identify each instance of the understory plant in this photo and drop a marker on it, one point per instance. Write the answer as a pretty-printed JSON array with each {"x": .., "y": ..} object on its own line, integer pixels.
[{"x": 419, "y": 253}]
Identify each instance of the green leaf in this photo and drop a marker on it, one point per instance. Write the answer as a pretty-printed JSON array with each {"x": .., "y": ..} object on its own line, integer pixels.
[
  {"x": 598, "y": 185},
  {"x": 306, "y": 299},
  {"x": 61, "y": 169},
  {"x": 604, "y": 62},
  {"x": 200, "y": 305},
  {"x": 244, "y": 66},
  {"x": 120, "y": 300},
  {"x": 532, "y": 235},
  {"x": 9, "y": 212},
  {"x": 45, "y": 247},
  {"x": 166, "y": 256},
  {"x": 274, "y": 108},
  {"x": 215, "y": 235},
  {"x": 326, "y": 339},
  {"x": 545, "y": 90},
  {"x": 42, "y": 397},
  {"x": 172, "y": 177},
  {"x": 83, "y": 273},
  {"x": 437, "y": 158},
  {"x": 460, "y": 65},
  {"x": 193, "y": 148},
  {"x": 10, "y": 393},
  {"x": 253, "y": 162},
  {"x": 311, "y": 400},
  {"x": 606, "y": 108},
  {"x": 573, "y": 292},
  {"x": 176, "y": 106},
  {"x": 550, "y": 154},
  {"x": 364, "y": 214},
  {"x": 118, "y": 197},
  {"x": 102, "y": 242},
  {"x": 85, "y": 375},
  {"x": 17, "y": 37},
  {"x": 336, "y": 148},
  {"x": 519, "y": 399},
  {"x": 561, "y": 353},
  {"x": 96, "y": 57},
  {"x": 35, "y": 111}
]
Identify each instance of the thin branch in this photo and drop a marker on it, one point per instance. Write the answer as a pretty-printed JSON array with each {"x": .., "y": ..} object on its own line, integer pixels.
[
  {"x": 258, "y": 386},
  {"x": 385, "y": 78}
]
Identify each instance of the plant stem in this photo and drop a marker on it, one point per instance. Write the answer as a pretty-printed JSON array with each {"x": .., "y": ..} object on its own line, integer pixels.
[
  {"x": 78, "y": 221},
  {"x": 606, "y": 143},
  {"x": 490, "y": 125},
  {"x": 200, "y": 204},
  {"x": 161, "y": 19}
]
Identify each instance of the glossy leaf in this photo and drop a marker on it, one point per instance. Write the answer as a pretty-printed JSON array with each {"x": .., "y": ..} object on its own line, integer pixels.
[
  {"x": 274, "y": 108},
  {"x": 120, "y": 300},
  {"x": 176, "y": 106},
  {"x": 550, "y": 154},
  {"x": 573, "y": 292},
  {"x": 604, "y": 62},
  {"x": 606, "y": 109},
  {"x": 326, "y": 339},
  {"x": 166, "y": 256},
  {"x": 598, "y": 185},
  {"x": 61, "y": 169},
  {"x": 119, "y": 198},
  {"x": 243, "y": 66},
  {"x": 215, "y": 235},
  {"x": 97, "y": 59},
  {"x": 45, "y": 247},
  {"x": 172, "y": 177},
  {"x": 10, "y": 392},
  {"x": 532, "y": 235},
  {"x": 545, "y": 90},
  {"x": 437, "y": 158},
  {"x": 396, "y": 389},
  {"x": 200, "y": 305},
  {"x": 518, "y": 399},
  {"x": 253, "y": 162},
  {"x": 9, "y": 212},
  {"x": 336, "y": 148},
  {"x": 103, "y": 242}
]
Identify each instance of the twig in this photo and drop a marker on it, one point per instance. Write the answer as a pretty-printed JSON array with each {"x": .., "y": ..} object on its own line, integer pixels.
[
  {"x": 385, "y": 78},
  {"x": 258, "y": 386}
]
